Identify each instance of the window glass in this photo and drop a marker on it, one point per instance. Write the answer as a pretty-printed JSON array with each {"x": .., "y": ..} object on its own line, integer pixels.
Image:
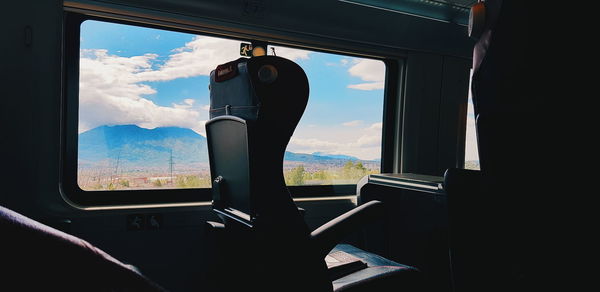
[
  {"x": 143, "y": 102},
  {"x": 144, "y": 99},
  {"x": 338, "y": 139},
  {"x": 471, "y": 152}
]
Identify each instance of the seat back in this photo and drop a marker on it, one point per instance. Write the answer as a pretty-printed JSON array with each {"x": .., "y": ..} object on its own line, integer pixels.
[
  {"x": 499, "y": 207},
  {"x": 34, "y": 254},
  {"x": 256, "y": 104},
  {"x": 230, "y": 166},
  {"x": 467, "y": 236}
]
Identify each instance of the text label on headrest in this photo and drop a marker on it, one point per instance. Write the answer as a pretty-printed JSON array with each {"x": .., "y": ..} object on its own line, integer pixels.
[{"x": 226, "y": 71}]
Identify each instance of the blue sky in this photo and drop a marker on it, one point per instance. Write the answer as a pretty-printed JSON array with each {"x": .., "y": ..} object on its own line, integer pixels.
[{"x": 155, "y": 78}]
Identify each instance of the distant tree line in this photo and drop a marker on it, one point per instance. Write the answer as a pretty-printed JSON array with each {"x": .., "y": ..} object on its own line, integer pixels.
[{"x": 350, "y": 173}]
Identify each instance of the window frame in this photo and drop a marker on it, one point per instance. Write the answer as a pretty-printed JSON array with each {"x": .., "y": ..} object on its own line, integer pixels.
[{"x": 74, "y": 195}]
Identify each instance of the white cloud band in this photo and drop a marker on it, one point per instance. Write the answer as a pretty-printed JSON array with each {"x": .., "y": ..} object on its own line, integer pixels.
[{"x": 372, "y": 71}]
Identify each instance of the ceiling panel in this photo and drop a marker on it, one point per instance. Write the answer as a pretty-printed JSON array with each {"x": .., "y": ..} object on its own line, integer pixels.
[{"x": 453, "y": 11}]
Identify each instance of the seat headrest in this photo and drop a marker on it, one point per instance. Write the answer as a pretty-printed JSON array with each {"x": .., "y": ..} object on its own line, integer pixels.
[
  {"x": 231, "y": 92},
  {"x": 265, "y": 89}
]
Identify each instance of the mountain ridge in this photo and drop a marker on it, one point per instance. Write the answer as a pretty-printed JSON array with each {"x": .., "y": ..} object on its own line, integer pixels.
[
  {"x": 141, "y": 147},
  {"x": 146, "y": 147}
]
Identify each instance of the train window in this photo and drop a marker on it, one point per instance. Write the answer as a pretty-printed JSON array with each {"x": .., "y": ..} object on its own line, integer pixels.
[
  {"x": 143, "y": 101},
  {"x": 135, "y": 117},
  {"x": 339, "y": 138},
  {"x": 471, "y": 152}
]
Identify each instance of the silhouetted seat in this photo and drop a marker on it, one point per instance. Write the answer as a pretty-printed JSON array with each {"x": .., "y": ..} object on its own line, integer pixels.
[
  {"x": 498, "y": 215},
  {"x": 468, "y": 241},
  {"x": 265, "y": 244},
  {"x": 37, "y": 257}
]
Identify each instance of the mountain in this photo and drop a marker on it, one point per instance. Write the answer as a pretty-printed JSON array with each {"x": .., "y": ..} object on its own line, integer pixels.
[
  {"x": 142, "y": 147},
  {"x": 336, "y": 156},
  {"x": 136, "y": 147},
  {"x": 307, "y": 158},
  {"x": 321, "y": 158}
]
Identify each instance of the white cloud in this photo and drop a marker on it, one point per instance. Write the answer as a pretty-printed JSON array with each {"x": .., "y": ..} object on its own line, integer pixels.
[
  {"x": 368, "y": 70},
  {"x": 369, "y": 141},
  {"x": 376, "y": 126},
  {"x": 372, "y": 71},
  {"x": 362, "y": 142},
  {"x": 313, "y": 143},
  {"x": 111, "y": 92},
  {"x": 198, "y": 57},
  {"x": 367, "y": 86},
  {"x": 102, "y": 108},
  {"x": 341, "y": 63},
  {"x": 199, "y": 128},
  {"x": 292, "y": 54},
  {"x": 352, "y": 123},
  {"x": 187, "y": 103},
  {"x": 365, "y": 147}
]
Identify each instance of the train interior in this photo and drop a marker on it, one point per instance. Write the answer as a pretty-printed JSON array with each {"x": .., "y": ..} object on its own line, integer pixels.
[{"x": 262, "y": 145}]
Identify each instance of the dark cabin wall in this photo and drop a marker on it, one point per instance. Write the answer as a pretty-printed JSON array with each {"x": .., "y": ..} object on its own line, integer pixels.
[
  {"x": 32, "y": 80},
  {"x": 31, "y": 83},
  {"x": 434, "y": 114},
  {"x": 334, "y": 23},
  {"x": 32, "y": 72}
]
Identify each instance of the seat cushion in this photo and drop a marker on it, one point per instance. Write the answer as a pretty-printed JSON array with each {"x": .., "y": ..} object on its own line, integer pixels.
[
  {"x": 371, "y": 259},
  {"x": 380, "y": 274},
  {"x": 35, "y": 255}
]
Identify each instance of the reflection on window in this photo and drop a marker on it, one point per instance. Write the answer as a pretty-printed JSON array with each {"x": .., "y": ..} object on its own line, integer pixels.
[{"x": 144, "y": 99}]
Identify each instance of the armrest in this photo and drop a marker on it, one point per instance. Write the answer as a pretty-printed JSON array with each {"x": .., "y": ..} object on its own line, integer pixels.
[
  {"x": 302, "y": 211},
  {"x": 326, "y": 237},
  {"x": 214, "y": 225}
]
